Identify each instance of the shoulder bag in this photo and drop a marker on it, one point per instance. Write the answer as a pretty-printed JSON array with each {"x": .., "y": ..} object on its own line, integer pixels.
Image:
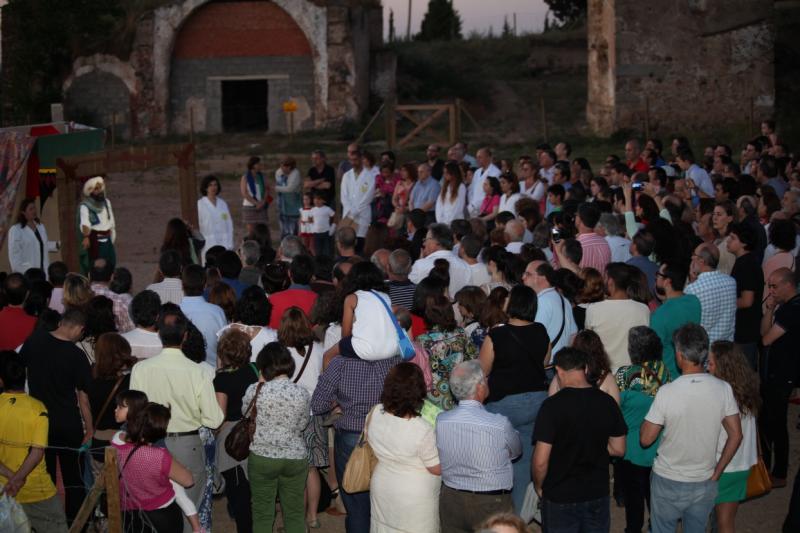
[
  {"x": 238, "y": 441},
  {"x": 758, "y": 482},
  {"x": 305, "y": 363},
  {"x": 361, "y": 463},
  {"x": 407, "y": 350},
  {"x": 106, "y": 434}
]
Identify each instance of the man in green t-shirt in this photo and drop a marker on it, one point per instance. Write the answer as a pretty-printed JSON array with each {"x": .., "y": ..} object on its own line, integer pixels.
[{"x": 676, "y": 309}]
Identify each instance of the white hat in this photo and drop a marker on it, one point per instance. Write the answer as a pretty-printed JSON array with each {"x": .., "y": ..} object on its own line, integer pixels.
[{"x": 91, "y": 184}]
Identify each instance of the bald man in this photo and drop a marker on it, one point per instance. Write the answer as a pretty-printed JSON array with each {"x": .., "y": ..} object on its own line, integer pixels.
[{"x": 485, "y": 169}]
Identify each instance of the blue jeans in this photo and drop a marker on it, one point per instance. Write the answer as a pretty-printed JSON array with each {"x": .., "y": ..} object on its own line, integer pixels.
[
  {"x": 584, "y": 517},
  {"x": 521, "y": 410},
  {"x": 671, "y": 501},
  {"x": 357, "y": 505}
]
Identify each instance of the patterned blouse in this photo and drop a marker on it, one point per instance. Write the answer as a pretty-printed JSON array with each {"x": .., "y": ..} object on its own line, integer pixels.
[
  {"x": 445, "y": 350},
  {"x": 282, "y": 413}
]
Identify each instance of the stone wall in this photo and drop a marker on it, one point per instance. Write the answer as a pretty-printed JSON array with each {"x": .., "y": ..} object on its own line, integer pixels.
[
  {"x": 99, "y": 98},
  {"x": 695, "y": 63}
]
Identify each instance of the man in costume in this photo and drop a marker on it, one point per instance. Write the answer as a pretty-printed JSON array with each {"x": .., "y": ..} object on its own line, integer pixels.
[{"x": 96, "y": 225}]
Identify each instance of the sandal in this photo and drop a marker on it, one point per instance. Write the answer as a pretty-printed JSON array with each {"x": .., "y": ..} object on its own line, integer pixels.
[{"x": 313, "y": 524}]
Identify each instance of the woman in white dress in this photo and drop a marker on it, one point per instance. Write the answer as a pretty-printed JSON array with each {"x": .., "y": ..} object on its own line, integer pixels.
[
  {"x": 510, "y": 187},
  {"x": 27, "y": 241},
  {"x": 404, "y": 489},
  {"x": 453, "y": 197},
  {"x": 214, "y": 216}
]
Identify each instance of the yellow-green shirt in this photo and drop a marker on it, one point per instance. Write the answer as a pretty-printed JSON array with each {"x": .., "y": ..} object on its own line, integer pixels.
[{"x": 24, "y": 424}]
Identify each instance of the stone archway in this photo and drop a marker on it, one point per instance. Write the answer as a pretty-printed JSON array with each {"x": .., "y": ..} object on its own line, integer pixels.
[{"x": 169, "y": 20}]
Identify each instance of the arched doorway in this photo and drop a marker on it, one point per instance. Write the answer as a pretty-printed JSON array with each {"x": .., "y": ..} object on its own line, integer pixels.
[{"x": 234, "y": 63}]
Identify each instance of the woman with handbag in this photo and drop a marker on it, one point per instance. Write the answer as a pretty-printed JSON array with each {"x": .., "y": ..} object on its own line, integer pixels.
[
  {"x": 278, "y": 462},
  {"x": 638, "y": 384},
  {"x": 110, "y": 376},
  {"x": 295, "y": 333},
  {"x": 512, "y": 357},
  {"x": 230, "y": 384},
  {"x": 727, "y": 362},
  {"x": 404, "y": 486}
]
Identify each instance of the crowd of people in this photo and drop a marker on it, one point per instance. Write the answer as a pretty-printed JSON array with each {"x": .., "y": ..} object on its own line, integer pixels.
[{"x": 514, "y": 340}]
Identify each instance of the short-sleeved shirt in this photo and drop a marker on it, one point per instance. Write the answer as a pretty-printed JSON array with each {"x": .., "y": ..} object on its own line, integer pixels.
[
  {"x": 424, "y": 192},
  {"x": 23, "y": 419},
  {"x": 782, "y": 364},
  {"x": 669, "y": 317},
  {"x": 234, "y": 383},
  {"x": 15, "y": 326},
  {"x": 749, "y": 277},
  {"x": 578, "y": 422},
  {"x": 56, "y": 369},
  {"x": 329, "y": 175},
  {"x": 691, "y": 410}
]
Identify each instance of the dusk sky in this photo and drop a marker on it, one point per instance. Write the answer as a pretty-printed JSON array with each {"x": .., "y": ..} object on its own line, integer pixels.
[{"x": 475, "y": 14}]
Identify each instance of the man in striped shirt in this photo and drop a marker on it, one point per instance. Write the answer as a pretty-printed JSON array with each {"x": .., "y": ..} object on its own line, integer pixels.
[
  {"x": 596, "y": 252},
  {"x": 475, "y": 450},
  {"x": 401, "y": 289}
]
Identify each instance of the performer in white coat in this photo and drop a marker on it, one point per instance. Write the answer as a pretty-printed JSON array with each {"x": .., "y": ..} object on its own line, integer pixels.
[
  {"x": 214, "y": 217},
  {"x": 358, "y": 191},
  {"x": 28, "y": 246}
]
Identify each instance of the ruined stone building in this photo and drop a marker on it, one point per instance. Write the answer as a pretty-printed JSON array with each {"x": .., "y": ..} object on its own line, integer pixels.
[
  {"x": 221, "y": 65},
  {"x": 691, "y": 64}
]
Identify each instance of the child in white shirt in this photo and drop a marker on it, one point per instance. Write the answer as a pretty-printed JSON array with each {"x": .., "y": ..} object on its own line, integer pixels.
[
  {"x": 306, "y": 230},
  {"x": 321, "y": 220}
]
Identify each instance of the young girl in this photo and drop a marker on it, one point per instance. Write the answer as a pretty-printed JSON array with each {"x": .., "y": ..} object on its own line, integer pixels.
[
  {"x": 306, "y": 222},
  {"x": 152, "y": 482}
]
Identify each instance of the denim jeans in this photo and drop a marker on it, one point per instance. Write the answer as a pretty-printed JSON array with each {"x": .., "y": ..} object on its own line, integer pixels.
[
  {"x": 671, "y": 501},
  {"x": 593, "y": 516},
  {"x": 521, "y": 410},
  {"x": 357, "y": 505}
]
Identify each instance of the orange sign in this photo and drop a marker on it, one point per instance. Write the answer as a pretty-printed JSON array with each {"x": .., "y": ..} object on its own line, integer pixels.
[{"x": 289, "y": 106}]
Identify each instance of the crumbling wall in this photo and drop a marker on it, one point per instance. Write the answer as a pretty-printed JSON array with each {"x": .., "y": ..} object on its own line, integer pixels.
[{"x": 689, "y": 65}]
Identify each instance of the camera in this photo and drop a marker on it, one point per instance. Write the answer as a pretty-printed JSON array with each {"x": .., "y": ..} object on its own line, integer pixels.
[
  {"x": 637, "y": 185},
  {"x": 556, "y": 234}
]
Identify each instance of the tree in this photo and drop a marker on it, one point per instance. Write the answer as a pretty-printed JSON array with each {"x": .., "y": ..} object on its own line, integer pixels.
[
  {"x": 392, "y": 34},
  {"x": 567, "y": 11},
  {"x": 506, "y": 28},
  {"x": 441, "y": 22}
]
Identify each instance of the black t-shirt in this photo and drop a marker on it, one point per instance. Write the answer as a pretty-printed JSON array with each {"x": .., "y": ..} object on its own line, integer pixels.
[
  {"x": 99, "y": 390},
  {"x": 783, "y": 365},
  {"x": 329, "y": 175},
  {"x": 578, "y": 424},
  {"x": 749, "y": 277},
  {"x": 518, "y": 367},
  {"x": 56, "y": 369},
  {"x": 234, "y": 384}
]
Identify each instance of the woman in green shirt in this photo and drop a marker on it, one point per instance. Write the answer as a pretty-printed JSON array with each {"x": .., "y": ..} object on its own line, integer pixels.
[{"x": 638, "y": 384}]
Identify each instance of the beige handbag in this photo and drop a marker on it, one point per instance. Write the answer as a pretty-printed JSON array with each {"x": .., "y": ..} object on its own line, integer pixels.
[{"x": 362, "y": 462}]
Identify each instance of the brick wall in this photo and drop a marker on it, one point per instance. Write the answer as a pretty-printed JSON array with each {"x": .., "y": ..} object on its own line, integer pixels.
[{"x": 240, "y": 29}]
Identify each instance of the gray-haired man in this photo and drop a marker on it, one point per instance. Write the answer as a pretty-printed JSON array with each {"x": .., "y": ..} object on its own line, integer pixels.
[{"x": 475, "y": 450}]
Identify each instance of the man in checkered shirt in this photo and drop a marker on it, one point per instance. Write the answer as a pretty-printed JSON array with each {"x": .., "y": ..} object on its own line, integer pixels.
[{"x": 716, "y": 292}]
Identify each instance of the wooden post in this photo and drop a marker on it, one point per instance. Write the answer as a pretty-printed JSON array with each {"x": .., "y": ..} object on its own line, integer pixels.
[
  {"x": 370, "y": 123},
  {"x": 68, "y": 191},
  {"x": 544, "y": 117},
  {"x": 646, "y": 117},
  {"x": 89, "y": 503},
  {"x": 453, "y": 124},
  {"x": 111, "y": 475}
]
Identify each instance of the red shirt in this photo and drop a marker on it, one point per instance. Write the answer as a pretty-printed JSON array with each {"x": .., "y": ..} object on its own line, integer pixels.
[
  {"x": 638, "y": 165},
  {"x": 15, "y": 326},
  {"x": 292, "y": 297}
]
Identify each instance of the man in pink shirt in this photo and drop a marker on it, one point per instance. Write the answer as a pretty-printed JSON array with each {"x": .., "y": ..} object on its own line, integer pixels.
[
  {"x": 299, "y": 293},
  {"x": 596, "y": 252}
]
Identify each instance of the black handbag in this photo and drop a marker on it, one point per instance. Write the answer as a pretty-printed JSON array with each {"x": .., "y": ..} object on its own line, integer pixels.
[{"x": 238, "y": 441}]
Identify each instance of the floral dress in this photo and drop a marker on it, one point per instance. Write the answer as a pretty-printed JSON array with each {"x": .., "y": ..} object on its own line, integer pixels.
[{"x": 445, "y": 350}]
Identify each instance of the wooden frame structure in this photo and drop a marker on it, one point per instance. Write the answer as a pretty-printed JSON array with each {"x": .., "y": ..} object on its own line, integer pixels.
[
  {"x": 108, "y": 481},
  {"x": 71, "y": 170},
  {"x": 424, "y": 117}
]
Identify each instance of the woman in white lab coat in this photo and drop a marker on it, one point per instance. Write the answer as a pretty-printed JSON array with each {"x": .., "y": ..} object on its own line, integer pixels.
[
  {"x": 214, "y": 217},
  {"x": 452, "y": 198},
  {"x": 358, "y": 192},
  {"x": 27, "y": 240}
]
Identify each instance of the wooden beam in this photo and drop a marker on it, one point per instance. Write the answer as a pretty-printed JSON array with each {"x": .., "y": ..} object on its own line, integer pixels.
[
  {"x": 88, "y": 505},
  {"x": 370, "y": 123},
  {"x": 424, "y": 124},
  {"x": 410, "y": 117},
  {"x": 68, "y": 189},
  {"x": 421, "y": 107},
  {"x": 111, "y": 475}
]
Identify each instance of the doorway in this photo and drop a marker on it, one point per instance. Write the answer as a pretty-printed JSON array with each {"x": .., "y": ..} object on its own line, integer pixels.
[{"x": 244, "y": 105}]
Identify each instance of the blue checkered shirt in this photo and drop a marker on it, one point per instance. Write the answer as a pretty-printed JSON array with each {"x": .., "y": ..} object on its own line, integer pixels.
[
  {"x": 717, "y": 294},
  {"x": 356, "y": 385}
]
